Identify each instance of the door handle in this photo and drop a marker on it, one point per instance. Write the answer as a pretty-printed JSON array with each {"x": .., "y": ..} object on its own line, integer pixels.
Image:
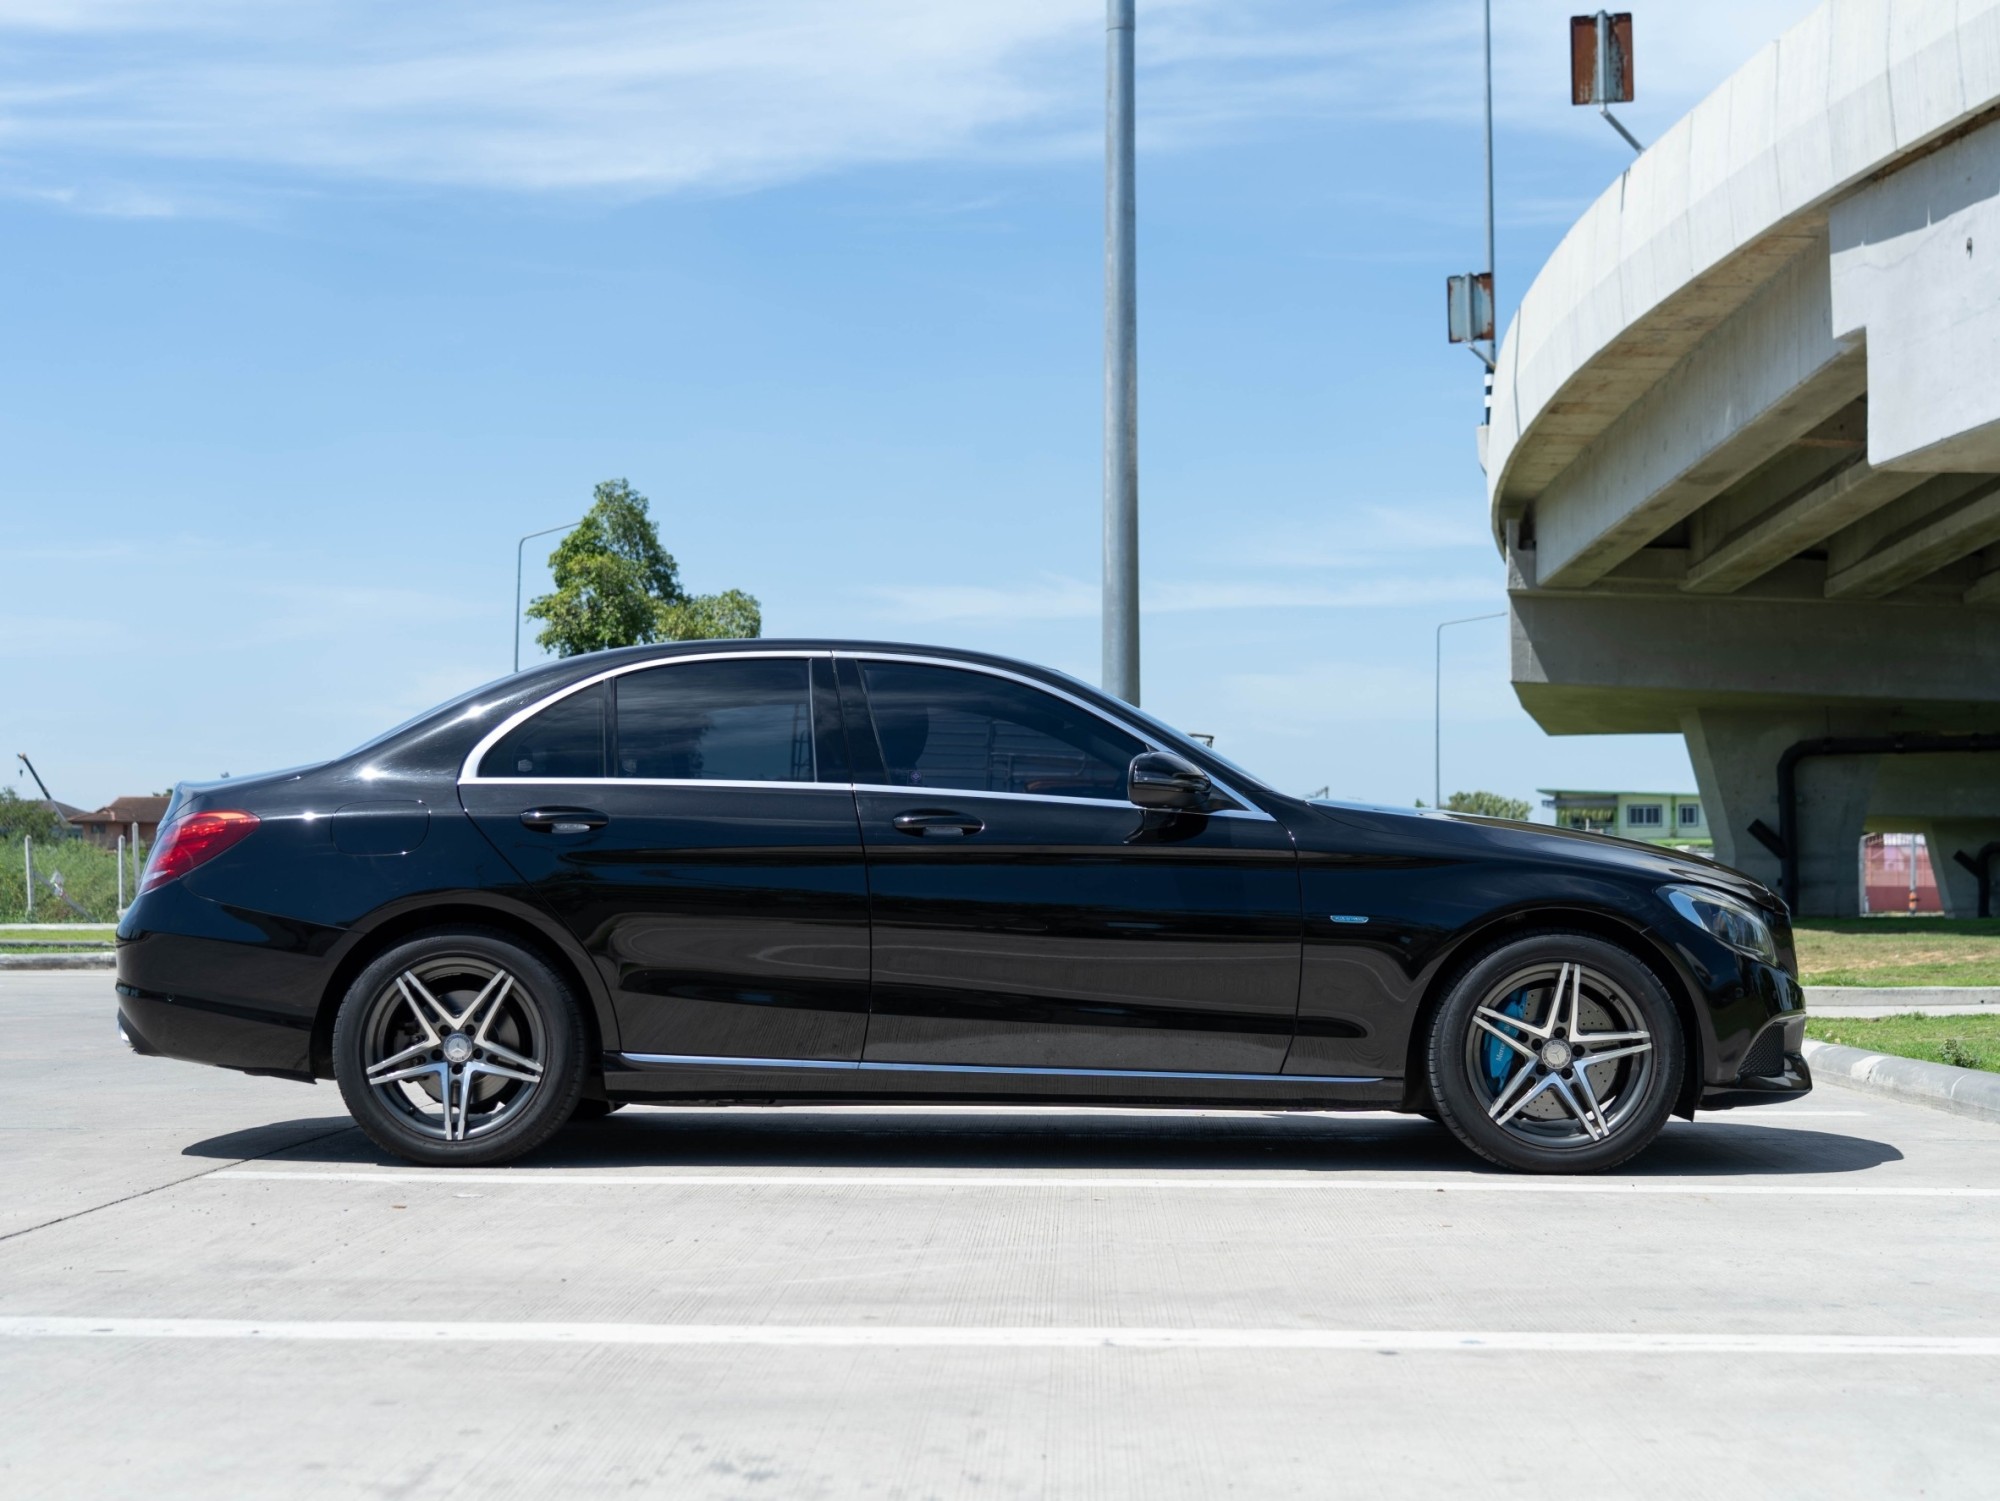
[
  {"x": 938, "y": 823},
  {"x": 564, "y": 820}
]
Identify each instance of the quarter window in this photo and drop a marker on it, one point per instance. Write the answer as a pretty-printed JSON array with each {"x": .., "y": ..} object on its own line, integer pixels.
[
  {"x": 565, "y": 741},
  {"x": 942, "y": 727},
  {"x": 742, "y": 720}
]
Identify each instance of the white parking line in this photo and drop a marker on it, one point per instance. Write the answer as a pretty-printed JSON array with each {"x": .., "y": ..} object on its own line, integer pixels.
[
  {"x": 1027, "y": 1338},
  {"x": 556, "y": 1178}
]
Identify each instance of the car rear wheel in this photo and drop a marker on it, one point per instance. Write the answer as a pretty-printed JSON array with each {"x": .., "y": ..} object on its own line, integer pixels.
[
  {"x": 459, "y": 1049},
  {"x": 1556, "y": 1053}
]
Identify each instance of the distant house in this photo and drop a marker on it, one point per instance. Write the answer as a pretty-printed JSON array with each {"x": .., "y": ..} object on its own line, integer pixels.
[
  {"x": 117, "y": 817},
  {"x": 1674, "y": 818}
]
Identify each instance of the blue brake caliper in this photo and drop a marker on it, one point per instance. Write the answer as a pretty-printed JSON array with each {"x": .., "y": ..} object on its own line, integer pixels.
[{"x": 1498, "y": 1054}]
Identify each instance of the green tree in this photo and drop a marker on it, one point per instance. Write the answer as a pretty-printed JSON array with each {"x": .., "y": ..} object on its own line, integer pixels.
[
  {"x": 616, "y": 585},
  {"x": 18, "y": 816},
  {"x": 1490, "y": 804}
]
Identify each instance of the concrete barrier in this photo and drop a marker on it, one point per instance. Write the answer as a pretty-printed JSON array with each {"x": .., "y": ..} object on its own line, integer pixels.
[
  {"x": 1898, "y": 997},
  {"x": 1962, "y": 1091}
]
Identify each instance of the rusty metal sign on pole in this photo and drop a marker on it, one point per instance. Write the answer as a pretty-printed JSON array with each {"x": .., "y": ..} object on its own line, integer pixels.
[{"x": 1600, "y": 65}]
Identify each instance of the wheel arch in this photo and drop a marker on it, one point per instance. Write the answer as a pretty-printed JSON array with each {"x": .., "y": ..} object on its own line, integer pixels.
[
  {"x": 1468, "y": 947},
  {"x": 392, "y": 926}
]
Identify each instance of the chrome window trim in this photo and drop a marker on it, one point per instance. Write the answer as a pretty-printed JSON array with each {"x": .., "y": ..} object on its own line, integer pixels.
[
  {"x": 701, "y": 1060},
  {"x": 468, "y": 771},
  {"x": 1249, "y": 808}
]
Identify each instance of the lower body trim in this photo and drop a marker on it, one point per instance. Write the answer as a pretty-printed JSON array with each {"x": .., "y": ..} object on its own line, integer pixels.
[{"x": 696, "y": 1060}]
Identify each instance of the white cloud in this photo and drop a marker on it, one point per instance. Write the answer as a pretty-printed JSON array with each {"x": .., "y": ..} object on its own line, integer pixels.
[{"x": 733, "y": 94}]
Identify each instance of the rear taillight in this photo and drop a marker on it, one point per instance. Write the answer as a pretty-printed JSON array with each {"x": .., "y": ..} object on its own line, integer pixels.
[{"x": 195, "y": 840}]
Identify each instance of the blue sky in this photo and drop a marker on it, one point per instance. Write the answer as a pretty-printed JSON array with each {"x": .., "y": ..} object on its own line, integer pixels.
[{"x": 312, "y": 310}]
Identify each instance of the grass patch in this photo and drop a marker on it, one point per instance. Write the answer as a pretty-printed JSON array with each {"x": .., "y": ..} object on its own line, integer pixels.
[
  {"x": 1962, "y": 1041},
  {"x": 1899, "y": 951},
  {"x": 89, "y": 877}
]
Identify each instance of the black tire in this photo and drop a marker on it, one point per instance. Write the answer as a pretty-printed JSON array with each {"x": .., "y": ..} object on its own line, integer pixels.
[
  {"x": 1504, "y": 1055},
  {"x": 473, "y": 1007},
  {"x": 593, "y": 1110}
]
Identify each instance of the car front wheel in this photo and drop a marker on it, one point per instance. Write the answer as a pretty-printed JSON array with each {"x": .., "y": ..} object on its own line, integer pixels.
[
  {"x": 1556, "y": 1053},
  {"x": 459, "y": 1049}
]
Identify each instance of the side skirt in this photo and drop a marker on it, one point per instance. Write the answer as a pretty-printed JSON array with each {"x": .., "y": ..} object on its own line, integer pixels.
[{"x": 656, "y": 1076}]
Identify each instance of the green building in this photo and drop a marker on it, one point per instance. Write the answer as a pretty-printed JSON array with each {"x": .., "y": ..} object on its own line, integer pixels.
[{"x": 1672, "y": 818}]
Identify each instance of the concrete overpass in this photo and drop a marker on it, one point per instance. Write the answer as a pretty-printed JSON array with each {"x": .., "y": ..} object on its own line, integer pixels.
[{"x": 1744, "y": 453}]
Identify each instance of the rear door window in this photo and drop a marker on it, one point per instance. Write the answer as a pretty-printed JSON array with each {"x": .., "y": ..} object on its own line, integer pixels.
[{"x": 742, "y": 720}]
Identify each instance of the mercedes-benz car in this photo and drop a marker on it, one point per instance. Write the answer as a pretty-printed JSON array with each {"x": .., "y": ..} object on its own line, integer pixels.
[{"x": 810, "y": 871}]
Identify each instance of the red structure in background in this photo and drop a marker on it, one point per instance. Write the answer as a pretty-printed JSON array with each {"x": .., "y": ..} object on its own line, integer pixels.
[{"x": 1896, "y": 875}]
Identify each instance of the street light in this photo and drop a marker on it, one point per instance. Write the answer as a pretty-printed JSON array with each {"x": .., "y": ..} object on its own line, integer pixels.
[
  {"x": 1437, "y": 704},
  {"x": 519, "y": 552}
]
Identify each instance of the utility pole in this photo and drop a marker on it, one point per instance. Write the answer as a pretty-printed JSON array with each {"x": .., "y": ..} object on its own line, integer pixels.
[{"x": 1121, "y": 365}]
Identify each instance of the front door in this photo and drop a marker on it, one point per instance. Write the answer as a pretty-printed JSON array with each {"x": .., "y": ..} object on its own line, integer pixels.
[
  {"x": 1026, "y": 915},
  {"x": 673, "y": 817}
]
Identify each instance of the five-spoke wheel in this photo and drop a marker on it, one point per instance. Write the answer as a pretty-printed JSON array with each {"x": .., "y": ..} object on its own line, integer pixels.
[
  {"x": 1556, "y": 1053},
  {"x": 459, "y": 1048}
]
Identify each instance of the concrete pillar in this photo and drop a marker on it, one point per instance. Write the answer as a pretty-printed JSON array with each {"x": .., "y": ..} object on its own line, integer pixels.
[
  {"x": 1735, "y": 755},
  {"x": 1956, "y": 885}
]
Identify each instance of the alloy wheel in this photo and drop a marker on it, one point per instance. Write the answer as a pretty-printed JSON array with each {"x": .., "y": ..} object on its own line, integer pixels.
[
  {"x": 1559, "y": 1056},
  {"x": 455, "y": 1047}
]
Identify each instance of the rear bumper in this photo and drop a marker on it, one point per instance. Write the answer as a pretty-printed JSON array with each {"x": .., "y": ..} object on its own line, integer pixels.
[{"x": 200, "y": 1031}]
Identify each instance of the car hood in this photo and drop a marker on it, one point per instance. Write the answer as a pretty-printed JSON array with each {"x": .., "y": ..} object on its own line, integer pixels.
[{"x": 1466, "y": 833}]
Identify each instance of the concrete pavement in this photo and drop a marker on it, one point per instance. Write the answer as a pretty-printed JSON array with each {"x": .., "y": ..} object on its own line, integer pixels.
[{"x": 212, "y": 1285}]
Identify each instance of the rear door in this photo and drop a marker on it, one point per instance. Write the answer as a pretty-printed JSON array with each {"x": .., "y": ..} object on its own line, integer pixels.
[
  {"x": 674, "y": 818},
  {"x": 1028, "y": 916}
]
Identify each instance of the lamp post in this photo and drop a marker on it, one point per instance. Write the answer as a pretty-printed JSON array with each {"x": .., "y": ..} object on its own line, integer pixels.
[
  {"x": 519, "y": 553},
  {"x": 1121, "y": 365},
  {"x": 1437, "y": 703}
]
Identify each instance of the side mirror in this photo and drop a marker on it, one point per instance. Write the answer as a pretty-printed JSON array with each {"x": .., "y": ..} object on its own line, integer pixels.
[{"x": 1161, "y": 779}]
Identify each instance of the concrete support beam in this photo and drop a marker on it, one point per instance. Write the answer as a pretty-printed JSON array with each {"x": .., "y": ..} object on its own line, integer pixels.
[
  {"x": 1795, "y": 524},
  {"x": 1635, "y": 663},
  {"x": 1985, "y": 589},
  {"x": 1756, "y": 385},
  {"x": 1950, "y": 518}
]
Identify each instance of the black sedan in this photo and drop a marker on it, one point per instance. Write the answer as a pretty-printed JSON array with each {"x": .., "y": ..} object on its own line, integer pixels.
[{"x": 814, "y": 871}]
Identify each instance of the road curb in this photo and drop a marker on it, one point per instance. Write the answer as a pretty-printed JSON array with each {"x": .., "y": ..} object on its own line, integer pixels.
[
  {"x": 16, "y": 963},
  {"x": 1962, "y": 1091},
  {"x": 1837, "y": 997}
]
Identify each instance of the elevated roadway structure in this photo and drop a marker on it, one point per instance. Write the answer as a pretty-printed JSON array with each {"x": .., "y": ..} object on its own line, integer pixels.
[{"x": 1744, "y": 451}]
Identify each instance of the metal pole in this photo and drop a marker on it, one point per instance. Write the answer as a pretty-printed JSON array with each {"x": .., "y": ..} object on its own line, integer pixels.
[
  {"x": 135, "y": 860},
  {"x": 520, "y": 549},
  {"x": 121, "y": 875},
  {"x": 1494, "y": 290},
  {"x": 1121, "y": 364},
  {"x": 28, "y": 854},
  {"x": 1437, "y": 703}
]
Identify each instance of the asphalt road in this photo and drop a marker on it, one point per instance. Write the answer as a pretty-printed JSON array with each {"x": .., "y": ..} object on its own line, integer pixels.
[{"x": 211, "y": 1285}]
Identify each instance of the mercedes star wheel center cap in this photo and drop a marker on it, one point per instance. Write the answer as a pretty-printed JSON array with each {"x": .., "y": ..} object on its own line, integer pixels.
[
  {"x": 1556, "y": 1053},
  {"x": 457, "y": 1047}
]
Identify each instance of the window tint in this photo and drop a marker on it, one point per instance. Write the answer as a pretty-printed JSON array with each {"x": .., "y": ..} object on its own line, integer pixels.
[
  {"x": 720, "y": 721},
  {"x": 940, "y": 727},
  {"x": 565, "y": 740}
]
